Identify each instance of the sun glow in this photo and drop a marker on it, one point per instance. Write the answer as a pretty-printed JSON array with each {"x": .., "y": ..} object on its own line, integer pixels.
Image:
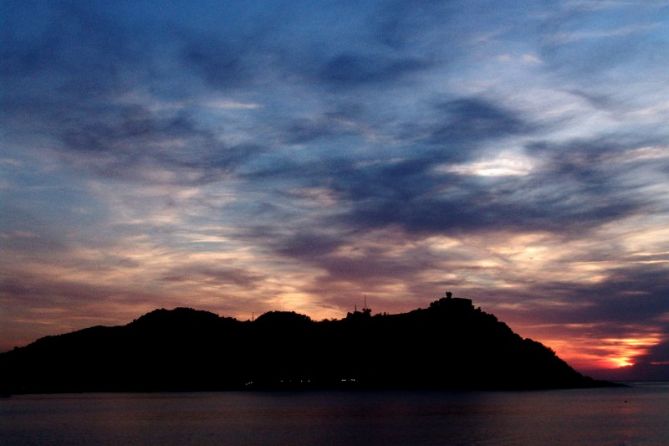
[
  {"x": 625, "y": 351},
  {"x": 605, "y": 353},
  {"x": 507, "y": 163}
]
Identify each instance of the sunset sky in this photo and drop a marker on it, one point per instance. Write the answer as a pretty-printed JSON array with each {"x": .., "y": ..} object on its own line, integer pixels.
[{"x": 241, "y": 157}]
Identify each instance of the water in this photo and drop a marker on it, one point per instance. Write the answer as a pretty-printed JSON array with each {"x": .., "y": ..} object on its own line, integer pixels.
[{"x": 593, "y": 417}]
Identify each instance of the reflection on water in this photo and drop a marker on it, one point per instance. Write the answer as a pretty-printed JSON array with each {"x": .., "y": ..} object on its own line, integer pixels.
[{"x": 612, "y": 417}]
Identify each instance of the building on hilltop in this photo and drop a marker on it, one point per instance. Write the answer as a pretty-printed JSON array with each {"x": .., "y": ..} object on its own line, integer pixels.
[{"x": 448, "y": 301}]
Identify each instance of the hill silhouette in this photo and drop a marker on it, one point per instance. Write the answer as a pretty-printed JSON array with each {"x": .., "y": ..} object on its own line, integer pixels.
[{"x": 451, "y": 344}]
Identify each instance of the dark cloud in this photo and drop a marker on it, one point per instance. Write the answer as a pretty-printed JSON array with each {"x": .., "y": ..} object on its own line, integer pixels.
[
  {"x": 125, "y": 129},
  {"x": 573, "y": 190},
  {"x": 307, "y": 245},
  {"x": 472, "y": 120},
  {"x": 330, "y": 125},
  {"x": 398, "y": 23},
  {"x": 595, "y": 99},
  {"x": 482, "y": 211},
  {"x": 35, "y": 290},
  {"x": 212, "y": 275},
  {"x": 64, "y": 59},
  {"x": 219, "y": 63},
  {"x": 412, "y": 195},
  {"x": 372, "y": 266},
  {"x": 132, "y": 142},
  {"x": 592, "y": 151},
  {"x": 349, "y": 70},
  {"x": 632, "y": 294},
  {"x": 83, "y": 84},
  {"x": 626, "y": 296},
  {"x": 307, "y": 130}
]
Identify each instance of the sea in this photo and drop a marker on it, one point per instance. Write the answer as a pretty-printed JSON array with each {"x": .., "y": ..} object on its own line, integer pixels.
[{"x": 632, "y": 416}]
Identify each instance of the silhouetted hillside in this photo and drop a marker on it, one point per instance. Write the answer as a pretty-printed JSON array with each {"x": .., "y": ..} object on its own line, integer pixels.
[{"x": 451, "y": 344}]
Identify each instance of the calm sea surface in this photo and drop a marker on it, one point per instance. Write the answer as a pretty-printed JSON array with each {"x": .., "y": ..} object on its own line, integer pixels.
[{"x": 630, "y": 416}]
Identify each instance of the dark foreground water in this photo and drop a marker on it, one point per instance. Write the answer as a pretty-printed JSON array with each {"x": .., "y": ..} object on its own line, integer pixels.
[{"x": 616, "y": 417}]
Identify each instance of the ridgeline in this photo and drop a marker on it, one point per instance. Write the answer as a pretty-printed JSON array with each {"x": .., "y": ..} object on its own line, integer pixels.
[{"x": 450, "y": 345}]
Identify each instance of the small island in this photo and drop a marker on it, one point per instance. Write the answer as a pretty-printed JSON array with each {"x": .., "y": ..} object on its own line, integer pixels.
[{"x": 449, "y": 345}]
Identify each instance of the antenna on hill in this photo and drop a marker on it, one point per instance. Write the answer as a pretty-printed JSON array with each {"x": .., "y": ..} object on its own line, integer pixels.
[{"x": 364, "y": 296}]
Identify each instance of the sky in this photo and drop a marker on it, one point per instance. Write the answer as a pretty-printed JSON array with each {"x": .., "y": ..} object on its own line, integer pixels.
[{"x": 241, "y": 157}]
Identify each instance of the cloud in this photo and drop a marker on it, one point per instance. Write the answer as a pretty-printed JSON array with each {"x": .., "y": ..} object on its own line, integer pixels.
[
  {"x": 412, "y": 195},
  {"x": 220, "y": 64},
  {"x": 653, "y": 366},
  {"x": 626, "y": 310},
  {"x": 84, "y": 85},
  {"x": 589, "y": 44},
  {"x": 566, "y": 188},
  {"x": 352, "y": 70},
  {"x": 134, "y": 143},
  {"x": 307, "y": 245},
  {"x": 471, "y": 120},
  {"x": 205, "y": 273},
  {"x": 297, "y": 155},
  {"x": 330, "y": 125},
  {"x": 625, "y": 295}
]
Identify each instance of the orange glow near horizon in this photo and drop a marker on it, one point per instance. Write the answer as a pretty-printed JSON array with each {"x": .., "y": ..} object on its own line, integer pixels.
[
  {"x": 629, "y": 349},
  {"x": 604, "y": 353}
]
